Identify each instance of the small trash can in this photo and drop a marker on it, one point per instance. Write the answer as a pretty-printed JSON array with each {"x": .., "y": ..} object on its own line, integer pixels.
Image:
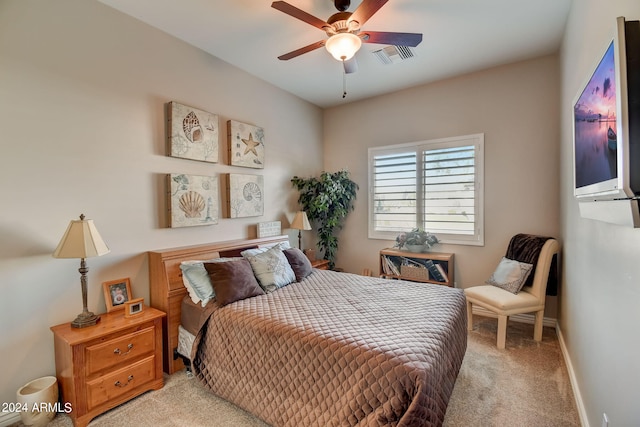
[{"x": 39, "y": 401}]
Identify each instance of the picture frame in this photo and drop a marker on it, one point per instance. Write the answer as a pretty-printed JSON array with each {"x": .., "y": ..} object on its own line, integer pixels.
[
  {"x": 245, "y": 196},
  {"x": 133, "y": 307},
  {"x": 192, "y": 133},
  {"x": 246, "y": 145},
  {"x": 117, "y": 293},
  {"x": 193, "y": 200}
]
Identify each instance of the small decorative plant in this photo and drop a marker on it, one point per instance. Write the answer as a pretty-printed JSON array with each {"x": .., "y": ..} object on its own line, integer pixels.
[{"x": 416, "y": 237}]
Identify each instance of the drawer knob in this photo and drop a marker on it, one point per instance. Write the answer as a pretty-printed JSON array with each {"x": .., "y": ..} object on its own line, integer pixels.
[
  {"x": 119, "y": 384},
  {"x": 118, "y": 351}
]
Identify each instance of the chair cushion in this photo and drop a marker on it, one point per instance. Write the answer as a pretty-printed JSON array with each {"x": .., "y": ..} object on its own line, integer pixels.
[
  {"x": 510, "y": 275},
  {"x": 492, "y": 296}
]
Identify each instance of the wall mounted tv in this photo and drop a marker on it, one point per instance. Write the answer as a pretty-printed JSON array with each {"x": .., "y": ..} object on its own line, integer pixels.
[{"x": 606, "y": 117}]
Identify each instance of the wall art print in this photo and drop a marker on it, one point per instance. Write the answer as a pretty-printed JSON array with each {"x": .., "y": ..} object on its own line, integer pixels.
[
  {"x": 246, "y": 145},
  {"x": 246, "y": 195},
  {"x": 194, "y": 200},
  {"x": 193, "y": 133}
]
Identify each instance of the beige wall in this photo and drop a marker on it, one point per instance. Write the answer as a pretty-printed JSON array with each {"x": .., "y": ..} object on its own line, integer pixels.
[
  {"x": 515, "y": 106},
  {"x": 599, "y": 313},
  {"x": 82, "y": 94}
]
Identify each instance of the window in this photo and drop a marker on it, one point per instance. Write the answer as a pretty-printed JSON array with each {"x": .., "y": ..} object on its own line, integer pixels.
[{"x": 435, "y": 185}]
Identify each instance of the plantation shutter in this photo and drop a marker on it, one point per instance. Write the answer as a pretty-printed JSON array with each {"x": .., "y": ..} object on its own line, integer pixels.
[
  {"x": 395, "y": 191},
  {"x": 449, "y": 190}
]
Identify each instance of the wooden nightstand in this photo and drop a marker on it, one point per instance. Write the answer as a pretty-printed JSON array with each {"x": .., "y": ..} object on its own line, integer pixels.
[
  {"x": 320, "y": 264},
  {"x": 102, "y": 366}
]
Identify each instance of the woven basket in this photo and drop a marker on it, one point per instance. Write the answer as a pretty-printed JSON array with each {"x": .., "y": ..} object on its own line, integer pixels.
[{"x": 411, "y": 272}]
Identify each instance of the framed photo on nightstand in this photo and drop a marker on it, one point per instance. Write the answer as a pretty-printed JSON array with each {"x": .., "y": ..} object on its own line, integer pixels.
[
  {"x": 133, "y": 307},
  {"x": 116, "y": 293}
]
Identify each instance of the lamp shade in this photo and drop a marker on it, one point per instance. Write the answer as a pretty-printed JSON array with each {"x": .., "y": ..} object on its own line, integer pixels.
[
  {"x": 81, "y": 240},
  {"x": 300, "y": 221},
  {"x": 343, "y": 46}
]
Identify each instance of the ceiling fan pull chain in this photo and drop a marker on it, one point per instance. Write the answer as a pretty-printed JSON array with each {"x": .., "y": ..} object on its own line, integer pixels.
[{"x": 344, "y": 81}]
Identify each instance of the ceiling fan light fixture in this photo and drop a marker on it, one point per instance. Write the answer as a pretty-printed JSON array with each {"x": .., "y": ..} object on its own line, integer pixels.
[{"x": 343, "y": 46}]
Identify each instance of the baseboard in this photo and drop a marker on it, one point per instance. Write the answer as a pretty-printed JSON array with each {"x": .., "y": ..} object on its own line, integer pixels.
[
  {"x": 9, "y": 418},
  {"x": 582, "y": 413},
  {"x": 522, "y": 318}
]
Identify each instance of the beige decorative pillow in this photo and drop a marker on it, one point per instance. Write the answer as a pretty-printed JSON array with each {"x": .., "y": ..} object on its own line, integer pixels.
[
  {"x": 271, "y": 268},
  {"x": 510, "y": 275}
]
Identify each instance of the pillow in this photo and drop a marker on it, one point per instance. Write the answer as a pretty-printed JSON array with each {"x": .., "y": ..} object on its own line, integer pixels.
[
  {"x": 233, "y": 281},
  {"x": 510, "y": 275},
  {"x": 256, "y": 251},
  {"x": 197, "y": 281},
  {"x": 299, "y": 263},
  {"x": 272, "y": 269}
]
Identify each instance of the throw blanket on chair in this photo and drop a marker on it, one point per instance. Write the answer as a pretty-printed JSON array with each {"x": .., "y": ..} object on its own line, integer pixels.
[{"x": 526, "y": 248}]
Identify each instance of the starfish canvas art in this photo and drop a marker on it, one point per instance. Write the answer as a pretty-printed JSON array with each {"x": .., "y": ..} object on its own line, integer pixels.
[{"x": 246, "y": 145}]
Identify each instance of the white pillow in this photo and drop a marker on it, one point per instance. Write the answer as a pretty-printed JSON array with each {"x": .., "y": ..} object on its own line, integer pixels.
[
  {"x": 271, "y": 268},
  {"x": 510, "y": 275},
  {"x": 197, "y": 280}
]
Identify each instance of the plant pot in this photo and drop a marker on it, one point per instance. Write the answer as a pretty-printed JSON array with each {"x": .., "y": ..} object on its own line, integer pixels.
[{"x": 416, "y": 248}]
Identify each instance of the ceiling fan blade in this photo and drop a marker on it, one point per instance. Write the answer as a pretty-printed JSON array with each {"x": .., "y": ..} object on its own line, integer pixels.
[
  {"x": 302, "y": 50},
  {"x": 350, "y": 66},
  {"x": 290, "y": 10},
  {"x": 366, "y": 10},
  {"x": 396, "y": 39}
]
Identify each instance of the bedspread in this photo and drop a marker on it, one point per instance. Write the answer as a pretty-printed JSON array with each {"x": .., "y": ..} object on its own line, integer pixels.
[{"x": 337, "y": 349}]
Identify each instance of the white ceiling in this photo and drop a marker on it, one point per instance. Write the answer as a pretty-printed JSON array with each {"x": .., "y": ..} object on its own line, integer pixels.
[{"x": 460, "y": 36}]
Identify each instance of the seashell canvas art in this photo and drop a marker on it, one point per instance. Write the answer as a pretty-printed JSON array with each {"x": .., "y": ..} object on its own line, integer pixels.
[
  {"x": 246, "y": 145},
  {"x": 246, "y": 195},
  {"x": 192, "y": 133},
  {"x": 193, "y": 200}
]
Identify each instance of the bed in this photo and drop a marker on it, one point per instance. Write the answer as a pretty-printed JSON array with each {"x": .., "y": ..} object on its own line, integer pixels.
[{"x": 331, "y": 349}]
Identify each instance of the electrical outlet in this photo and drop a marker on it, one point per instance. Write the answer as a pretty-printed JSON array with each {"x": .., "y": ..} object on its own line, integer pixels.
[{"x": 605, "y": 420}]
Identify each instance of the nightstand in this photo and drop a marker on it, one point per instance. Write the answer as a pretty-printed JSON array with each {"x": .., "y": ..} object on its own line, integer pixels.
[
  {"x": 320, "y": 264},
  {"x": 102, "y": 366}
]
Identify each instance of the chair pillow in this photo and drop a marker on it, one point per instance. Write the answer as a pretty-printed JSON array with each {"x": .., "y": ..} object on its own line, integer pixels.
[
  {"x": 510, "y": 275},
  {"x": 197, "y": 281},
  {"x": 271, "y": 268},
  {"x": 299, "y": 262},
  {"x": 233, "y": 281}
]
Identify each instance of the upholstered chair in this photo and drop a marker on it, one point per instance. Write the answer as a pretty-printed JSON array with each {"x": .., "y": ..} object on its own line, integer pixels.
[{"x": 539, "y": 252}]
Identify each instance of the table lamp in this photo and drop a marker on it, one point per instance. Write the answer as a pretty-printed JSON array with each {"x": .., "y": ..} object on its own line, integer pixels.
[
  {"x": 300, "y": 222},
  {"x": 82, "y": 240}
]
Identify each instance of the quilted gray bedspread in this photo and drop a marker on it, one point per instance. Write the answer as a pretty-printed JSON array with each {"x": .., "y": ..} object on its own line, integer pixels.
[{"x": 337, "y": 349}]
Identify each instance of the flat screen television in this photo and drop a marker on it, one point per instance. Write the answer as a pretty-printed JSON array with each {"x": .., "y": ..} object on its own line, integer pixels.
[{"x": 606, "y": 118}]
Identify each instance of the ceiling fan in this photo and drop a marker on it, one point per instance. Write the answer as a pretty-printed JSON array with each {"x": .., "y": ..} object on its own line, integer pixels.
[{"x": 344, "y": 30}]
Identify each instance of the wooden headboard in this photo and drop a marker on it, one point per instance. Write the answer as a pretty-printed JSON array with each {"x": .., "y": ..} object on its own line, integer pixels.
[{"x": 167, "y": 289}]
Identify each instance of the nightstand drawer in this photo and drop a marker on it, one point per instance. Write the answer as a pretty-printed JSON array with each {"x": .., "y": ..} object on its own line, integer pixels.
[
  {"x": 125, "y": 380},
  {"x": 119, "y": 350}
]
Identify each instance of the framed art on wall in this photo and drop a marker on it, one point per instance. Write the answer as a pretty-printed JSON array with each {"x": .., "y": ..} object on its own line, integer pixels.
[
  {"x": 246, "y": 195},
  {"x": 193, "y": 200},
  {"x": 193, "y": 133},
  {"x": 246, "y": 145}
]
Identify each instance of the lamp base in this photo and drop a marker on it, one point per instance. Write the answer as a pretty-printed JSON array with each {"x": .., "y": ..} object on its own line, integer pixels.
[{"x": 84, "y": 320}]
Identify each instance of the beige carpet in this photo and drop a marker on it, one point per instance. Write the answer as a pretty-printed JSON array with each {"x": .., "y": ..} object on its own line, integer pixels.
[{"x": 525, "y": 385}]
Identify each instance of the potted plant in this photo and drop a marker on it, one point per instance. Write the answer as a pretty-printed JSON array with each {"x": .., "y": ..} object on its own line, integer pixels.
[
  {"x": 416, "y": 240},
  {"x": 327, "y": 201}
]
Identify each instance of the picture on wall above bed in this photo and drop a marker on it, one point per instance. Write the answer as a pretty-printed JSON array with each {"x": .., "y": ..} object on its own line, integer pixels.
[
  {"x": 193, "y": 133},
  {"x": 246, "y": 195},
  {"x": 193, "y": 200},
  {"x": 246, "y": 145}
]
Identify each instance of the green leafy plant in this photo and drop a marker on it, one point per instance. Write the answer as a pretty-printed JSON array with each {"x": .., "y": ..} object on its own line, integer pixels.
[
  {"x": 416, "y": 237},
  {"x": 327, "y": 201}
]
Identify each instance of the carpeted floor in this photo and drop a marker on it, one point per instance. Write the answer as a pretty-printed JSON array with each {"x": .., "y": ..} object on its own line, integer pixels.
[{"x": 525, "y": 385}]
